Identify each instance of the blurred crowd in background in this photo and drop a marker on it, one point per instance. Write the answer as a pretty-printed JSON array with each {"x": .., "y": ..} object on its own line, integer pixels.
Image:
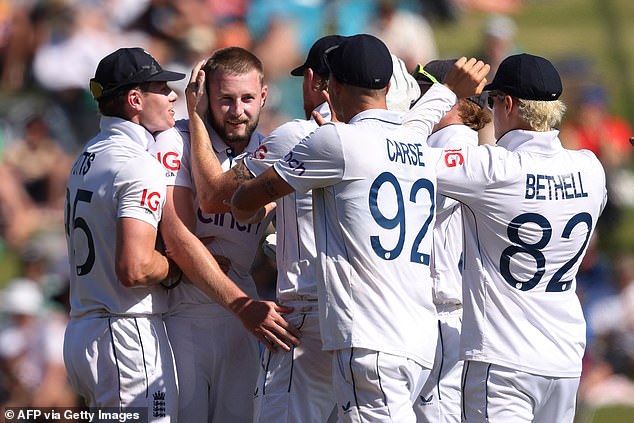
[{"x": 49, "y": 50}]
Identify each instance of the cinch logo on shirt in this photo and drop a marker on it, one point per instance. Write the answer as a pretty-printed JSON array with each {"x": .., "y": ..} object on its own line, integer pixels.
[
  {"x": 169, "y": 160},
  {"x": 453, "y": 158},
  {"x": 150, "y": 200},
  {"x": 218, "y": 219},
  {"x": 404, "y": 153}
]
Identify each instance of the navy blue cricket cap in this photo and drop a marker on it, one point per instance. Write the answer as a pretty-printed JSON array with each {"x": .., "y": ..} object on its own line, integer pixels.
[
  {"x": 527, "y": 77},
  {"x": 361, "y": 60},
  {"x": 315, "y": 58},
  {"x": 127, "y": 67}
]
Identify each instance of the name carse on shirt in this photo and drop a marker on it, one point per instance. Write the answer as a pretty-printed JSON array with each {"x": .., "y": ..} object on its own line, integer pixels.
[
  {"x": 554, "y": 187},
  {"x": 405, "y": 153}
]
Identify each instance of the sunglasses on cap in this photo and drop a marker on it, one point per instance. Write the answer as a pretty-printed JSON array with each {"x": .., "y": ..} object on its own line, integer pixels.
[{"x": 421, "y": 75}]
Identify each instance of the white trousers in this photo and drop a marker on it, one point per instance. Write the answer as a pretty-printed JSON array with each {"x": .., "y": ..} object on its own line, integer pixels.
[
  {"x": 122, "y": 362},
  {"x": 373, "y": 386},
  {"x": 217, "y": 363},
  {"x": 296, "y": 386},
  {"x": 439, "y": 400},
  {"x": 493, "y": 394}
]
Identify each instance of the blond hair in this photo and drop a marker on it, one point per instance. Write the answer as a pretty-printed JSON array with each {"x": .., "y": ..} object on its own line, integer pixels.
[{"x": 541, "y": 116}]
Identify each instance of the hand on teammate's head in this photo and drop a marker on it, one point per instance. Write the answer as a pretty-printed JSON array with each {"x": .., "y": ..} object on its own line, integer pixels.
[
  {"x": 467, "y": 77},
  {"x": 318, "y": 117},
  {"x": 196, "y": 92}
]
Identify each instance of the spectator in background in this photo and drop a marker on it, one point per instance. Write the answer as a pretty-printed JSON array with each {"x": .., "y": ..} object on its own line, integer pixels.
[
  {"x": 498, "y": 42},
  {"x": 608, "y": 372},
  {"x": 31, "y": 348},
  {"x": 491, "y": 6},
  {"x": 17, "y": 45},
  {"x": 594, "y": 281},
  {"x": 594, "y": 128},
  {"x": 19, "y": 216},
  {"x": 406, "y": 34},
  {"x": 40, "y": 164}
]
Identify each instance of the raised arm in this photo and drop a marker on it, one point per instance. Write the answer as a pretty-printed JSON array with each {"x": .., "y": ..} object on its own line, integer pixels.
[
  {"x": 465, "y": 79},
  {"x": 214, "y": 186}
]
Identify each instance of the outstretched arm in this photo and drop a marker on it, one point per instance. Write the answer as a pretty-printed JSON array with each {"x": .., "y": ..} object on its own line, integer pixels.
[
  {"x": 253, "y": 195},
  {"x": 261, "y": 318}
]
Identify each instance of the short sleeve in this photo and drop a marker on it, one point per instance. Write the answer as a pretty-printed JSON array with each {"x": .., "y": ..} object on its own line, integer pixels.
[
  {"x": 140, "y": 190},
  {"x": 317, "y": 161},
  {"x": 171, "y": 149},
  {"x": 274, "y": 147}
]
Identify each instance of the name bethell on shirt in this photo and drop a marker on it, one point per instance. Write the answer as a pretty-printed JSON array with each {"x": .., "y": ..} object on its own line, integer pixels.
[{"x": 554, "y": 187}]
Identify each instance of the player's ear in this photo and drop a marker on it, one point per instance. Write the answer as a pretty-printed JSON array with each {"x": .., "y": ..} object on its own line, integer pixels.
[
  {"x": 265, "y": 90},
  {"x": 135, "y": 99}
]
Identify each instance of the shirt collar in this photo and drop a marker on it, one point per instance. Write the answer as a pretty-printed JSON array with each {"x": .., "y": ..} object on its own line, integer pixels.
[
  {"x": 324, "y": 110},
  {"x": 379, "y": 114},
  {"x": 137, "y": 133},
  {"x": 539, "y": 142}
]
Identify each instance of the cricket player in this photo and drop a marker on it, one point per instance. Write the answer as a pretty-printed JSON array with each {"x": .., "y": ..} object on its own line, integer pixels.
[
  {"x": 368, "y": 180},
  {"x": 116, "y": 349},
  {"x": 295, "y": 386},
  {"x": 530, "y": 208},
  {"x": 439, "y": 400},
  {"x": 216, "y": 358}
]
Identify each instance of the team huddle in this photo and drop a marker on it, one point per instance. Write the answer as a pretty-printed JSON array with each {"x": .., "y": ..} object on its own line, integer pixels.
[{"x": 420, "y": 277}]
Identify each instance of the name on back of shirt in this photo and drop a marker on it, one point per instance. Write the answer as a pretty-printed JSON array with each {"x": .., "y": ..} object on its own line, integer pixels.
[
  {"x": 82, "y": 164},
  {"x": 405, "y": 153},
  {"x": 554, "y": 187}
]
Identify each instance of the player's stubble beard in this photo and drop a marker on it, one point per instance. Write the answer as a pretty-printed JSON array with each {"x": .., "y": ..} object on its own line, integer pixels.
[{"x": 233, "y": 139}]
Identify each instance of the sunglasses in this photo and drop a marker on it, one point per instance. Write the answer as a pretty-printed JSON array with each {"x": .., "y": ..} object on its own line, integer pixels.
[
  {"x": 492, "y": 95},
  {"x": 422, "y": 75}
]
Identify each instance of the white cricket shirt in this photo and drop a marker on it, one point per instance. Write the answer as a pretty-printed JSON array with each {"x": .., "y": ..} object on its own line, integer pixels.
[
  {"x": 295, "y": 251},
  {"x": 373, "y": 184},
  {"x": 239, "y": 243},
  {"x": 447, "y": 255},
  {"x": 113, "y": 177},
  {"x": 530, "y": 209}
]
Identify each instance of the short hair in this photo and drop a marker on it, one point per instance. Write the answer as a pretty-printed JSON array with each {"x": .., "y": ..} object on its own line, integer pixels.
[
  {"x": 472, "y": 115},
  {"x": 233, "y": 60},
  {"x": 541, "y": 116},
  {"x": 375, "y": 93},
  {"x": 114, "y": 105}
]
